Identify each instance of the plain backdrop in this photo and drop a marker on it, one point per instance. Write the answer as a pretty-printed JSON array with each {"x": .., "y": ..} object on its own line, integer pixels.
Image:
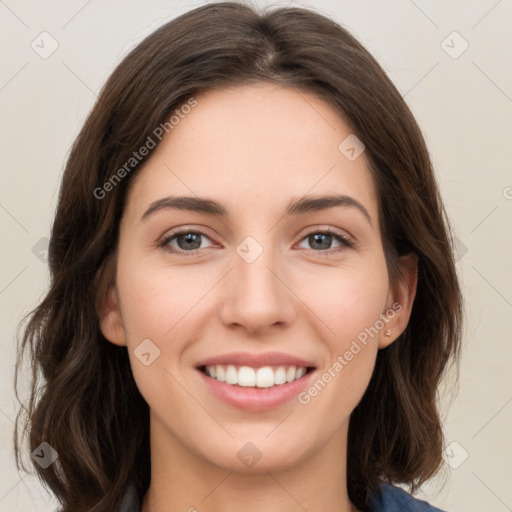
[{"x": 452, "y": 62}]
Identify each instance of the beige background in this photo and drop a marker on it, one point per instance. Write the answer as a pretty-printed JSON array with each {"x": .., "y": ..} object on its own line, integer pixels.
[{"x": 462, "y": 100}]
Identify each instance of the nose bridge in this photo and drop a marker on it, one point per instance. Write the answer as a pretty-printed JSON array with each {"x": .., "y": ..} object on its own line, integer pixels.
[{"x": 257, "y": 296}]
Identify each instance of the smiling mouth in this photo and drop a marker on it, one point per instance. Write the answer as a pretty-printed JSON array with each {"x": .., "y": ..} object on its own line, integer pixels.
[{"x": 262, "y": 377}]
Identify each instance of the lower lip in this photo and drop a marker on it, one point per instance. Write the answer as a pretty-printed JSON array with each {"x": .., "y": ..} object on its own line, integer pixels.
[{"x": 256, "y": 399}]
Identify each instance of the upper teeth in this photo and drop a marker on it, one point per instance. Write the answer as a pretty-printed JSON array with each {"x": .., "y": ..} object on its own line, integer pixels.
[{"x": 264, "y": 377}]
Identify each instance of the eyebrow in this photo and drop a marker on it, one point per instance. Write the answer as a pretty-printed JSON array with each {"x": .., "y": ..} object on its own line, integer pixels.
[{"x": 300, "y": 206}]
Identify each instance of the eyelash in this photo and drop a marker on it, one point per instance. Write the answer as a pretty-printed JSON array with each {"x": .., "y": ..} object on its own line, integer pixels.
[{"x": 346, "y": 243}]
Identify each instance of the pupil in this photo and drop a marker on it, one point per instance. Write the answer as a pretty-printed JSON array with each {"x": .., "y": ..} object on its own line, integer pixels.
[
  {"x": 319, "y": 237},
  {"x": 190, "y": 239}
]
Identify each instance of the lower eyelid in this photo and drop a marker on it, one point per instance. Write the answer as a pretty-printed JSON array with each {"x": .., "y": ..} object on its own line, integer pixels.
[{"x": 345, "y": 242}]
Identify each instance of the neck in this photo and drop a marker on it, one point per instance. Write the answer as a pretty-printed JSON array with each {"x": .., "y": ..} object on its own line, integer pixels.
[{"x": 182, "y": 480}]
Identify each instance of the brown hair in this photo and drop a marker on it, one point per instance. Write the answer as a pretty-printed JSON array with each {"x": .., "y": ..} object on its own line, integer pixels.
[{"x": 84, "y": 401}]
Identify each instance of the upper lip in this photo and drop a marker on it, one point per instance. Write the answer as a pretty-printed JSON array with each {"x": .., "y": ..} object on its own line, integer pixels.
[{"x": 256, "y": 360}]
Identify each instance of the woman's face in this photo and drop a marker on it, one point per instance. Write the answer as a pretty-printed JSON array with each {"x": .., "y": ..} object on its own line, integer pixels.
[{"x": 261, "y": 287}]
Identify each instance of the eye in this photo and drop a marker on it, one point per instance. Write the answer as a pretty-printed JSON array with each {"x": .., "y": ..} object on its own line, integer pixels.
[
  {"x": 187, "y": 242},
  {"x": 324, "y": 238}
]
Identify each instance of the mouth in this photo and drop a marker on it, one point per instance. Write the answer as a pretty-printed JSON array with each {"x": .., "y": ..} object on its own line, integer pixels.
[
  {"x": 255, "y": 377},
  {"x": 255, "y": 382}
]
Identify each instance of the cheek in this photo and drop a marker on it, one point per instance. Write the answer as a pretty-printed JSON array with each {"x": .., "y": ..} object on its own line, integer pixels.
[
  {"x": 158, "y": 317},
  {"x": 157, "y": 299},
  {"x": 350, "y": 302},
  {"x": 154, "y": 310},
  {"x": 347, "y": 299},
  {"x": 170, "y": 307}
]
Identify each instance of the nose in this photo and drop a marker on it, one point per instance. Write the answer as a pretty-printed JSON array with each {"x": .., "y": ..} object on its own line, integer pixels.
[{"x": 257, "y": 296}]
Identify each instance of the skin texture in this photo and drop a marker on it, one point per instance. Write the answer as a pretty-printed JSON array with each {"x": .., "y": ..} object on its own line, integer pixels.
[{"x": 252, "y": 148}]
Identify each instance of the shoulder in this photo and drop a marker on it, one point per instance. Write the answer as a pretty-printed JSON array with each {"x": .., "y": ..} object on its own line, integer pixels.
[{"x": 389, "y": 497}]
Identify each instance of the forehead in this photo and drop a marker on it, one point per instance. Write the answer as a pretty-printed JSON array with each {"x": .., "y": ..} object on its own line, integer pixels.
[{"x": 254, "y": 145}]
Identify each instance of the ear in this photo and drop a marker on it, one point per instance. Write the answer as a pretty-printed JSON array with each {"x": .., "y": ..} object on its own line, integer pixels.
[
  {"x": 400, "y": 300},
  {"x": 111, "y": 321}
]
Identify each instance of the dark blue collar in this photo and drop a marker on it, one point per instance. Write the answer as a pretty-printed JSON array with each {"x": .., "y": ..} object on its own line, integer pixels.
[{"x": 389, "y": 498}]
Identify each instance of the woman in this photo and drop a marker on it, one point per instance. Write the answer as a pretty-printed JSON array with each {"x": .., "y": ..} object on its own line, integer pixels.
[{"x": 253, "y": 294}]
